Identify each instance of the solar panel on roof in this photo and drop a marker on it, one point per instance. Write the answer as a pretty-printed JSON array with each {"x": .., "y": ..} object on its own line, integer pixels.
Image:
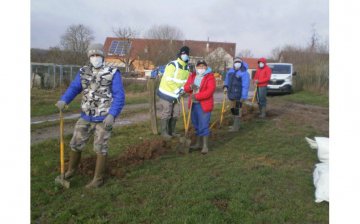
[{"x": 119, "y": 47}]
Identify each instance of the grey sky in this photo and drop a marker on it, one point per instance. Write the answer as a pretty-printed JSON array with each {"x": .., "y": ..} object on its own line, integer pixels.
[{"x": 258, "y": 25}]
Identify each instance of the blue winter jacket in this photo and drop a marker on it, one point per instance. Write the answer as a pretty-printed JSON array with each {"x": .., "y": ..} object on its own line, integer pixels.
[
  {"x": 238, "y": 82},
  {"x": 118, "y": 95}
]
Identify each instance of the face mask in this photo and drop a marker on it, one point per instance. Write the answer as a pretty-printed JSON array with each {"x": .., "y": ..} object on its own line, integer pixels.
[
  {"x": 200, "y": 71},
  {"x": 261, "y": 65},
  {"x": 184, "y": 57},
  {"x": 96, "y": 61},
  {"x": 237, "y": 65}
]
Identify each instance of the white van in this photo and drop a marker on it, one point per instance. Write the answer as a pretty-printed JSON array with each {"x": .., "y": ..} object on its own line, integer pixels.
[{"x": 281, "y": 78}]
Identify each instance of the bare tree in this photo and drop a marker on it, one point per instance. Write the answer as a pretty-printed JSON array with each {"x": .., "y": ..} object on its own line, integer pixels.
[
  {"x": 76, "y": 40},
  {"x": 245, "y": 53},
  {"x": 127, "y": 34},
  {"x": 164, "y": 32},
  {"x": 218, "y": 60}
]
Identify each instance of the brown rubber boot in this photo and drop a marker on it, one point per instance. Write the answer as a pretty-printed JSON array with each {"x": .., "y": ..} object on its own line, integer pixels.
[
  {"x": 99, "y": 172},
  {"x": 197, "y": 144},
  {"x": 73, "y": 164},
  {"x": 205, "y": 148}
]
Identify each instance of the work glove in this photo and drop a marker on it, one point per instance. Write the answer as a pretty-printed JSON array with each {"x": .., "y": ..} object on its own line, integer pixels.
[
  {"x": 181, "y": 92},
  {"x": 61, "y": 105},
  {"x": 256, "y": 82},
  {"x": 194, "y": 87},
  {"x": 109, "y": 120},
  {"x": 242, "y": 100},
  {"x": 225, "y": 89}
]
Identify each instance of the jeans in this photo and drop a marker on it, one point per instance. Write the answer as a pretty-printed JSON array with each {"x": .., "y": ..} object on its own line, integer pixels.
[
  {"x": 200, "y": 120},
  {"x": 261, "y": 96}
]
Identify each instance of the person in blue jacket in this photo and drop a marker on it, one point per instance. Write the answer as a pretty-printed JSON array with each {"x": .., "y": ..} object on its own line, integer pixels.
[
  {"x": 236, "y": 86},
  {"x": 103, "y": 98}
]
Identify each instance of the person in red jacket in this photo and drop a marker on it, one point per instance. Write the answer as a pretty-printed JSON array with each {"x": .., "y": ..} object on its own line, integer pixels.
[
  {"x": 201, "y": 86},
  {"x": 261, "y": 80}
]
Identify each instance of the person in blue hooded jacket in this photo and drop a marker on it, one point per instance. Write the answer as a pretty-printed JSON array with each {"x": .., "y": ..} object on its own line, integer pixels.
[
  {"x": 236, "y": 86},
  {"x": 102, "y": 101}
]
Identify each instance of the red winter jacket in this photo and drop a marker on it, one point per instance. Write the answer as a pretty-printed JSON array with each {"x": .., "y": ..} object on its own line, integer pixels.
[
  {"x": 263, "y": 75},
  {"x": 206, "y": 91}
]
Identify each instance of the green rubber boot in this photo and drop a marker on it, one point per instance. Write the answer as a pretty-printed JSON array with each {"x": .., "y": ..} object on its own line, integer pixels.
[
  {"x": 172, "y": 127},
  {"x": 236, "y": 125},
  {"x": 165, "y": 128},
  {"x": 205, "y": 148},
  {"x": 98, "y": 179},
  {"x": 73, "y": 164},
  {"x": 197, "y": 144}
]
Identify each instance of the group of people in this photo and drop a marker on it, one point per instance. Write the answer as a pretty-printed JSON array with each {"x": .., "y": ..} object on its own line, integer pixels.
[{"x": 103, "y": 99}]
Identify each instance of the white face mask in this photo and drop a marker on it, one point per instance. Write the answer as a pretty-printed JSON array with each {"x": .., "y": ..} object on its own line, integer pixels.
[
  {"x": 96, "y": 61},
  {"x": 261, "y": 65},
  {"x": 237, "y": 65},
  {"x": 200, "y": 71},
  {"x": 185, "y": 57}
]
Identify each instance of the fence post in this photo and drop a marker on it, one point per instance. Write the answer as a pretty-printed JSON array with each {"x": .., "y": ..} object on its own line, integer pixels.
[
  {"x": 61, "y": 75},
  {"x": 54, "y": 73},
  {"x": 70, "y": 73},
  {"x": 151, "y": 85}
]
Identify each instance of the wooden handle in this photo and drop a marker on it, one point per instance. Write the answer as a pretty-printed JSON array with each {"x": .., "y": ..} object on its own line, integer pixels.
[{"x": 61, "y": 144}]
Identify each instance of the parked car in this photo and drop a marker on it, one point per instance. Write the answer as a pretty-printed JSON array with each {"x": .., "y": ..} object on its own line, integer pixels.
[{"x": 281, "y": 78}]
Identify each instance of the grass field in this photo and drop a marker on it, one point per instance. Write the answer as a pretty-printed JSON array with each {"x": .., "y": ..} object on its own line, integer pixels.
[{"x": 263, "y": 174}]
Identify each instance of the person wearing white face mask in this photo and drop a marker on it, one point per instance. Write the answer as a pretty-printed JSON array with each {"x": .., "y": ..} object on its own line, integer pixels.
[
  {"x": 236, "y": 86},
  {"x": 261, "y": 80},
  {"x": 201, "y": 86},
  {"x": 102, "y": 101},
  {"x": 170, "y": 89}
]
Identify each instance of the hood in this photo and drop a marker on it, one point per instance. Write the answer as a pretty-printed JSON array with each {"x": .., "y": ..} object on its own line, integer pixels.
[
  {"x": 208, "y": 70},
  {"x": 263, "y": 60},
  {"x": 244, "y": 67}
]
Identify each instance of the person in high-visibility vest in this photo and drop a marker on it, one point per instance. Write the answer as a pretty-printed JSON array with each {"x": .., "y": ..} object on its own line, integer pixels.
[{"x": 170, "y": 89}]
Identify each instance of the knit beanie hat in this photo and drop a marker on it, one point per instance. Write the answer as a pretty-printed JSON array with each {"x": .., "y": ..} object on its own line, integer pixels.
[
  {"x": 95, "y": 49},
  {"x": 201, "y": 61},
  {"x": 184, "y": 50}
]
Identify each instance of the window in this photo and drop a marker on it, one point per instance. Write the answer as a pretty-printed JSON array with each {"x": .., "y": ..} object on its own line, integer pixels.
[{"x": 120, "y": 48}]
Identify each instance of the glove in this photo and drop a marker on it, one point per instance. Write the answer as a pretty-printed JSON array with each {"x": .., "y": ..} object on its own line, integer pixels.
[
  {"x": 242, "y": 100},
  {"x": 61, "y": 105},
  {"x": 256, "y": 82},
  {"x": 193, "y": 97},
  {"x": 181, "y": 92},
  {"x": 225, "y": 89},
  {"x": 109, "y": 120},
  {"x": 193, "y": 87}
]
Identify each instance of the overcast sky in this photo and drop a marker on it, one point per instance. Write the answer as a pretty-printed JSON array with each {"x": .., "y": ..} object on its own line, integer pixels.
[{"x": 258, "y": 25}]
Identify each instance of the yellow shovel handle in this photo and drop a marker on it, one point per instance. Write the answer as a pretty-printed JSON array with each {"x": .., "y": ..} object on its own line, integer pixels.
[
  {"x": 223, "y": 109},
  {"x": 188, "y": 118},
  {"x": 62, "y": 143},
  {"x": 183, "y": 110},
  {"x": 253, "y": 99}
]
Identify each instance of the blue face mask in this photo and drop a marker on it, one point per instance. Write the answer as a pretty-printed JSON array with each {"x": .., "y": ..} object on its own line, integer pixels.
[{"x": 184, "y": 57}]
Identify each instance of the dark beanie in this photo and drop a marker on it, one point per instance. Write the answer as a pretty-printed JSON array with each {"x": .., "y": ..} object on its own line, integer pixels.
[
  {"x": 184, "y": 50},
  {"x": 201, "y": 61}
]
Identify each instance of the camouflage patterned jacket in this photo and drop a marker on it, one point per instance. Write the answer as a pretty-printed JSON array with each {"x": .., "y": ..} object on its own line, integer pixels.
[{"x": 103, "y": 92}]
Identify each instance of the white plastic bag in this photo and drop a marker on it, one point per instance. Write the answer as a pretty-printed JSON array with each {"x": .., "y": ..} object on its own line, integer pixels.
[
  {"x": 321, "y": 182},
  {"x": 323, "y": 149}
]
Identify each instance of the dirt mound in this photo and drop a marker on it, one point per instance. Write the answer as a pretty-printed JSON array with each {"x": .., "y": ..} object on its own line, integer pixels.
[{"x": 134, "y": 155}]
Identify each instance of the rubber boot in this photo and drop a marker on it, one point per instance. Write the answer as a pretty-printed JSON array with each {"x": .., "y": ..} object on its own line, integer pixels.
[
  {"x": 73, "y": 164},
  {"x": 205, "y": 148},
  {"x": 165, "y": 128},
  {"x": 98, "y": 179},
  {"x": 236, "y": 125},
  {"x": 172, "y": 127},
  {"x": 197, "y": 144},
  {"x": 262, "y": 112}
]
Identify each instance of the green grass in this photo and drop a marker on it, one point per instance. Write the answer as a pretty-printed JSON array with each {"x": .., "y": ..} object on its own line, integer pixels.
[
  {"x": 260, "y": 175},
  {"x": 306, "y": 97},
  {"x": 43, "y": 101}
]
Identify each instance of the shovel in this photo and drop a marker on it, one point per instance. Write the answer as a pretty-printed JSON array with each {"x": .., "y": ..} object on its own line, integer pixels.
[
  {"x": 185, "y": 141},
  {"x": 223, "y": 110},
  {"x": 251, "y": 104},
  {"x": 61, "y": 179}
]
